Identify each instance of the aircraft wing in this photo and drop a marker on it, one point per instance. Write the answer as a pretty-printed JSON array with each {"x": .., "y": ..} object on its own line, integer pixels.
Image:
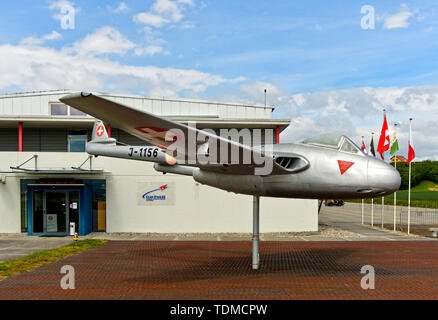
[{"x": 153, "y": 129}]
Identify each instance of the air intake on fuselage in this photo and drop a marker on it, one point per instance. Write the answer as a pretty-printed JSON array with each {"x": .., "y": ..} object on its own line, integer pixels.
[{"x": 292, "y": 164}]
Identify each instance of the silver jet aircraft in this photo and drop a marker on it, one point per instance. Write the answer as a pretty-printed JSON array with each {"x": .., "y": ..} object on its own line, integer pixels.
[{"x": 323, "y": 167}]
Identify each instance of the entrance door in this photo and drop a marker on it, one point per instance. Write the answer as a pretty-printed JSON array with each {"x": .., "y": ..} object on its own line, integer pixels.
[
  {"x": 54, "y": 210},
  {"x": 73, "y": 200}
]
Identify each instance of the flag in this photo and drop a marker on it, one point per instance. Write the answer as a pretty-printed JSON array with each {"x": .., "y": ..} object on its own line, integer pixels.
[
  {"x": 394, "y": 147},
  {"x": 384, "y": 139},
  {"x": 411, "y": 153},
  {"x": 372, "y": 146},
  {"x": 363, "y": 148}
]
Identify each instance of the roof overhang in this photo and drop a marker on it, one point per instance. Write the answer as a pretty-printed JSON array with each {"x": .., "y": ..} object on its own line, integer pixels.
[{"x": 87, "y": 122}]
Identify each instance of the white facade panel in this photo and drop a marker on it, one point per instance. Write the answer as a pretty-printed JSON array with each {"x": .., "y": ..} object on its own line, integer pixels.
[
  {"x": 10, "y": 218},
  {"x": 166, "y": 107},
  {"x": 191, "y": 207},
  {"x": 137, "y": 103},
  {"x": 156, "y": 107},
  {"x": 7, "y": 106}
]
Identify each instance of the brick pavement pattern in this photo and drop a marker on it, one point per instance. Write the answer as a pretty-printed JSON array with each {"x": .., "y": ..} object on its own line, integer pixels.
[{"x": 222, "y": 270}]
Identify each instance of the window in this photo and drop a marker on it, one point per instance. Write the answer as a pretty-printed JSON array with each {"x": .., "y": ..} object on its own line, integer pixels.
[
  {"x": 60, "y": 109},
  {"x": 335, "y": 141},
  {"x": 347, "y": 146},
  {"x": 77, "y": 141},
  {"x": 331, "y": 140},
  {"x": 76, "y": 112}
]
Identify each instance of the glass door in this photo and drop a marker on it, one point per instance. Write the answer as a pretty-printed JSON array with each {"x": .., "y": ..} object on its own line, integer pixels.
[
  {"x": 52, "y": 211},
  {"x": 38, "y": 215},
  {"x": 56, "y": 216},
  {"x": 73, "y": 208}
]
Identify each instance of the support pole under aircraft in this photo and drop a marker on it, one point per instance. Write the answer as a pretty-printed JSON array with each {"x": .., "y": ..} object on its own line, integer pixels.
[{"x": 255, "y": 232}]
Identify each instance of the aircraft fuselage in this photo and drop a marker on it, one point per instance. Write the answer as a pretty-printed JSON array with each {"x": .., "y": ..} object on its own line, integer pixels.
[{"x": 329, "y": 173}]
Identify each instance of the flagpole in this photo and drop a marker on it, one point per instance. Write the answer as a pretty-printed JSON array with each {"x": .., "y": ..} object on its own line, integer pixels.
[
  {"x": 409, "y": 193},
  {"x": 383, "y": 198},
  {"x": 395, "y": 166},
  {"x": 395, "y": 196},
  {"x": 409, "y": 200},
  {"x": 363, "y": 143},
  {"x": 372, "y": 199}
]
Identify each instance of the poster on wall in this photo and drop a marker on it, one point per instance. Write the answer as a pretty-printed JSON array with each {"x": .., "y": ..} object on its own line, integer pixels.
[
  {"x": 159, "y": 193},
  {"x": 52, "y": 223}
]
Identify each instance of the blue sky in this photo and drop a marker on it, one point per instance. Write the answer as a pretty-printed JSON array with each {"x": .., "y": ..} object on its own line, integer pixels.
[{"x": 320, "y": 67}]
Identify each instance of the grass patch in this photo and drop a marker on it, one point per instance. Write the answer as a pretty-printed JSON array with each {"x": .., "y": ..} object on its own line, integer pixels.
[
  {"x": 424, "y": 186},
  {"x": 37, "y": 259},
  {"x": 424, "y": 195}
]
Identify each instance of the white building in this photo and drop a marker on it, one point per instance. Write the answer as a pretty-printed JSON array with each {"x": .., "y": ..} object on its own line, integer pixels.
[{"x": 52, "y": 189}]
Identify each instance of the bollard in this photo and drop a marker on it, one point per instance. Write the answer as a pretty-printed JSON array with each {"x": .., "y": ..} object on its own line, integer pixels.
[{"x": 75, "y": 238}]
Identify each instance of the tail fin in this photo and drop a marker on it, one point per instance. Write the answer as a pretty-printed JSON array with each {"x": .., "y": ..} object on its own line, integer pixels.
[{"x": 100, "y": 134}]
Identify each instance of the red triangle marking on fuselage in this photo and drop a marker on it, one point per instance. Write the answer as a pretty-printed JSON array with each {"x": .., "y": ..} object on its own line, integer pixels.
[{"x": 344, "y": 166}]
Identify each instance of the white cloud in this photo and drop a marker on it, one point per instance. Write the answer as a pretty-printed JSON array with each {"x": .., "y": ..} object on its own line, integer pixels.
[
  {"x": 398, "y": 20},
  {"x": 122, "y": 8},
  {"x": 150, "y": 19},
  {"x": 168, "y": 7},
  {"x": 36, "y": 41},
  {"x": 355, "y": 112},
  {"x": 43, "y": 68},
  {"x": 150, "y": 51},
  {"x": 163, "y": 12},
  {"x": 358, "y": 112},
  {"x": 58, "y": 5},
  {"x": 256, "y": 92},
  {"x": 104, "y": 40},
  {"x": 187, "y": 2}
]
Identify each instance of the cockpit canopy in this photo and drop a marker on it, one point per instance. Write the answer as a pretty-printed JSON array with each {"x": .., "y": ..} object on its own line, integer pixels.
[{"x": 334, "y": 141}]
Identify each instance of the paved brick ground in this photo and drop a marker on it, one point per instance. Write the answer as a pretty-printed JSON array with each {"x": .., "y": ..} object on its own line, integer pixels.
[{"x": 221, "y": 270}]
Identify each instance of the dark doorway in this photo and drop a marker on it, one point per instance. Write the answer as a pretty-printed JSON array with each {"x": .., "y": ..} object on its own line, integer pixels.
[{"x": 54, "y": 210}]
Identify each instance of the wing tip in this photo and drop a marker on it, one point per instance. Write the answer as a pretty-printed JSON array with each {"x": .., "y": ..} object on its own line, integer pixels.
[{"x": 75, "y": 95}]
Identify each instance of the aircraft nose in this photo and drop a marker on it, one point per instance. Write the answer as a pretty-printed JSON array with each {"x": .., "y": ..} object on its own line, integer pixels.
[{"x": 382, "y": 177}]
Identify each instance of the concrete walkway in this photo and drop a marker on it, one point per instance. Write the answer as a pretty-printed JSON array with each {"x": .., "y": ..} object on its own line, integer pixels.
[{"x": 17, "y": 245}]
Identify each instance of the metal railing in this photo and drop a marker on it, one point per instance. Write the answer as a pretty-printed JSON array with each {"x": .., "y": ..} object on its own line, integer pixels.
[{"x": 419, "y": 217}]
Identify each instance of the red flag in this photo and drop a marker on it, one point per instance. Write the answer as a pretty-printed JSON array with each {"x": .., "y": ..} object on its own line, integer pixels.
[
  {"x": 411, "y": 153},
  {"x": 363, "y": 148},
  {"x": 384, "y": 141}
]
